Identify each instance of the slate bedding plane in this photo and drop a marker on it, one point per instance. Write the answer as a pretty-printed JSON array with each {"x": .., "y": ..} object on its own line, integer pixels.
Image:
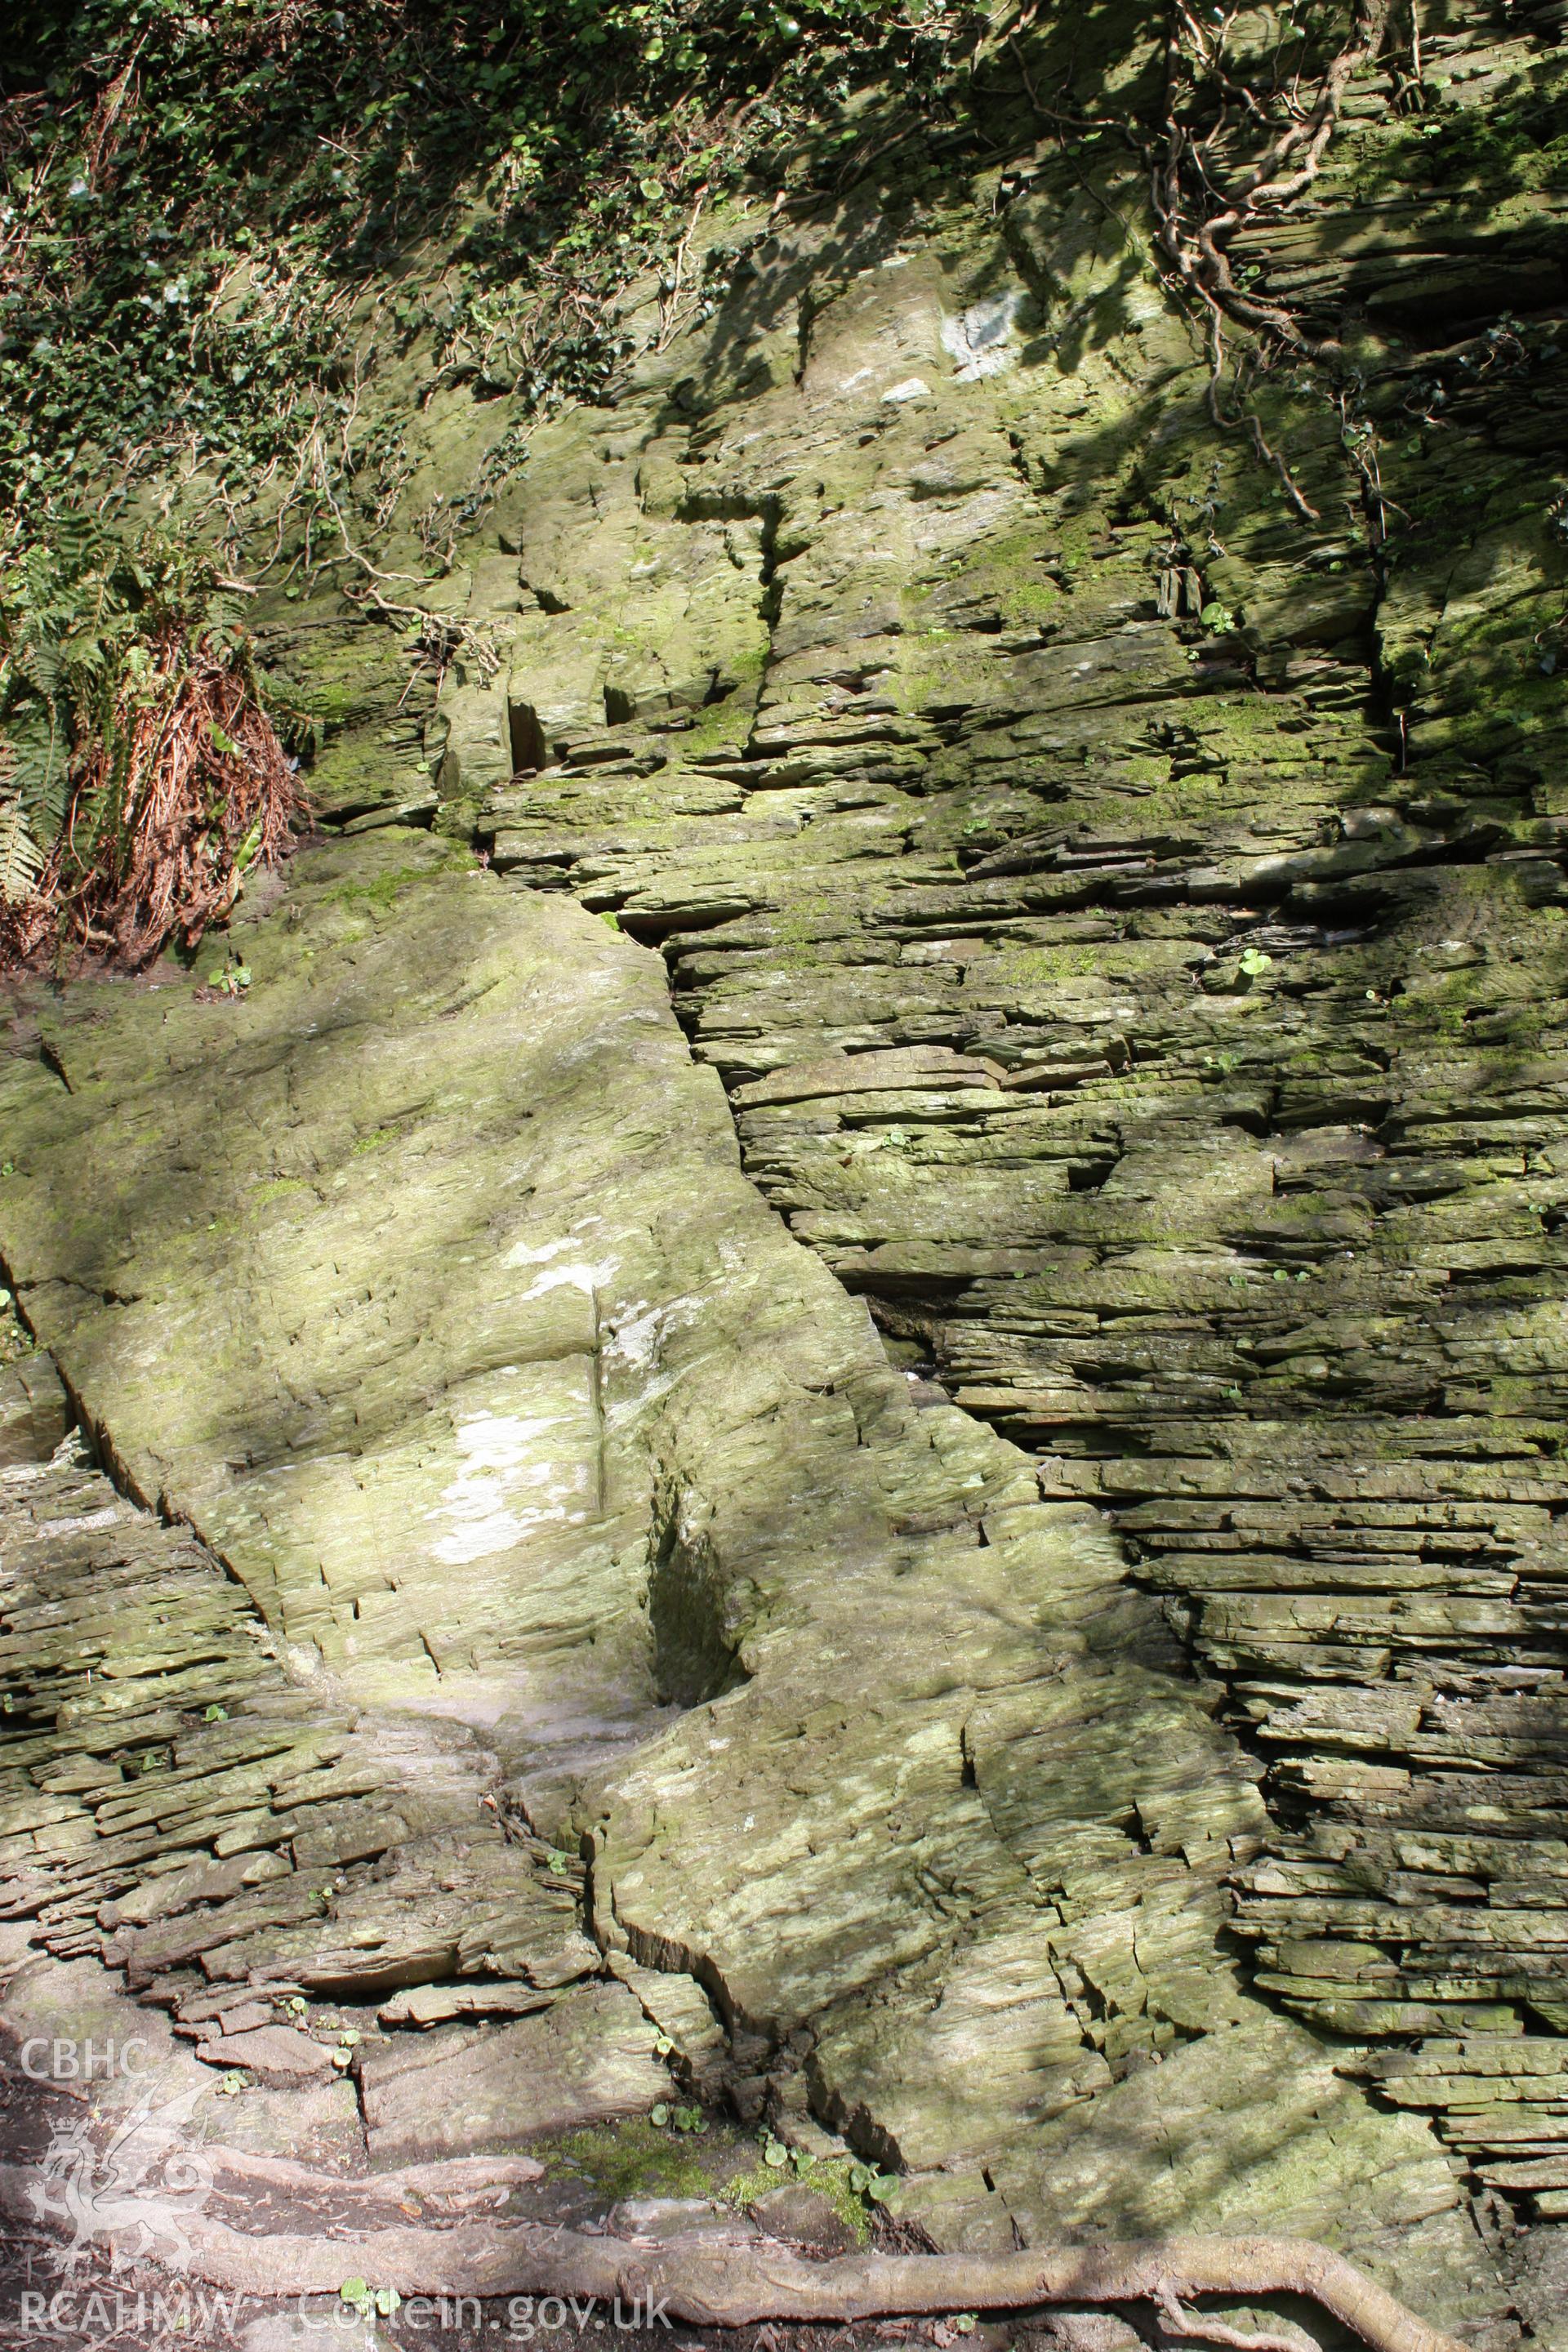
[
  {"x": 1126, "y": 912},
  {"x": 1093, "y": 1742},
  {"x": 865, "y": 1745}
]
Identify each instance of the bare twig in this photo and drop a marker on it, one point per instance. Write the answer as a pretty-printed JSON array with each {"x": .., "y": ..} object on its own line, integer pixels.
[
  {"x": 1196, "y": 243},
  {"x": 668, "y": 308}
]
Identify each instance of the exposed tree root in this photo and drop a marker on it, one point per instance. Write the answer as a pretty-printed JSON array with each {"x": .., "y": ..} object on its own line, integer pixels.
[
  {"x": 463, "y": 2176},
  {"x": 1197, "y": 213},
  {"x": 1177, "y": 2320},
  {"x": 733, "y": 2286}
]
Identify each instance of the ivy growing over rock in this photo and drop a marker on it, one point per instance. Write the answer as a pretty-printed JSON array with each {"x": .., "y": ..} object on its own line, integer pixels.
[{"x": 194, "y": 200}]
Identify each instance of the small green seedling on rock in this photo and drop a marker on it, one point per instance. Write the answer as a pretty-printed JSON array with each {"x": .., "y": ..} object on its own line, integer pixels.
[
  {"x": 367, "y": 2301},
  {"x": 680, "y": 2119},
  {"x": 866, "y": 2181}
]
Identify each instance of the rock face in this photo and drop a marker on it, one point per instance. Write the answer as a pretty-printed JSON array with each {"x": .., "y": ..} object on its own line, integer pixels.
[
  {"x": 585, "y": 2059},
  {"x": 1095, "y": 1738},
  {"x": 1122, "y": 889},
  {"x": 551, "y": 1472}
]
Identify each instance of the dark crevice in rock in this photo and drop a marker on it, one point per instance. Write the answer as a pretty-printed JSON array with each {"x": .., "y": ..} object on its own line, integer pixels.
[
  {"x": 528, "y": 746},
  {"x": 50, "y": 1057},
  {"x": 695, "y": 1655}
]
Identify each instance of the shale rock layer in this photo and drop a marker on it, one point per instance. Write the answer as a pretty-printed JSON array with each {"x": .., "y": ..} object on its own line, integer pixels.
[
  {"x": 1121, "y": 883},
  {"x": 1093, "y": 1739},
  {"x": 562, "y": 1497}
]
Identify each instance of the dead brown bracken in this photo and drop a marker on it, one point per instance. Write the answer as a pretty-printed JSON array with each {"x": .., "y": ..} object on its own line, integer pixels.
[{"x": 204, "y": 791}]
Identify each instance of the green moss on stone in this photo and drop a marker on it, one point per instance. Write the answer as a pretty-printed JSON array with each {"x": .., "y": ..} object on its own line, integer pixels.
[{"x": 634, "y": 2159}]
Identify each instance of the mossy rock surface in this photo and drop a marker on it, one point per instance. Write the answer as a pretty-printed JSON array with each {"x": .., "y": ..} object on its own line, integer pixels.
[
  {"x": 584, "y": 1463},
  {"x": 1101, "y": 1750}
]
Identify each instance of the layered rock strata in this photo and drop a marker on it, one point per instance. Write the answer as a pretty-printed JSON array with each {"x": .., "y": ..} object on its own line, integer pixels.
[
  {"x": 553, "y": 1491},
  {"x": 1120, "y": 884}
]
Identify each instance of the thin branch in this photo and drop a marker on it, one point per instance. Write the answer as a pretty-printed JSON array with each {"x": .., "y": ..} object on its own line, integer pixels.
[{"x": 1179, "y": 2321}]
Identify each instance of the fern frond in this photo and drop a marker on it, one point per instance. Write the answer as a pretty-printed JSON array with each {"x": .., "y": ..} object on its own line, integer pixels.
[
  {"x": 135, "y": 748},
  {"x": 41, "y": 758},
  {"x": 222, "y": 616},
  {"x": 85, "y": 650},
  {"x": 37, "y": 658},
  {"x": 74, "y": 537},
  {"x": 21, "y": 855}
]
